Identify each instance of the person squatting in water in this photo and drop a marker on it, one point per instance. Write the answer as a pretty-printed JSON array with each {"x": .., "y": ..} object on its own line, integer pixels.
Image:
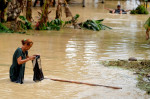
[{"x": 20, "y": 57}]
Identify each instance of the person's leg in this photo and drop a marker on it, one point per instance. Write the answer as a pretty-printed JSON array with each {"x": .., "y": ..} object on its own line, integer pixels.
[
  {"x": 83, "y": 3},
  {"x": 41, "y": 3},
  {"x": 35, "y": 3},
  {"x": 147, "y": 34},
  {"x": 54, "y": 3}
]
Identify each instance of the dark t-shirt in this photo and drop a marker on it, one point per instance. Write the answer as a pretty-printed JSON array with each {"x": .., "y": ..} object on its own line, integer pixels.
[
  {"x": 16, "y": 70},
  {"x": 118, "y": 11}
]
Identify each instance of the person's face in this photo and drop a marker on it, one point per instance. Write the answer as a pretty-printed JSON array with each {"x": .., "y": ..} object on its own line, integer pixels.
[
  {"x": 119, "y": 7},
  {"x": 28, "y": 46}
]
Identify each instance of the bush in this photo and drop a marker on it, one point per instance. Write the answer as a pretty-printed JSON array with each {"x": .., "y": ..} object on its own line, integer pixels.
[
  {"x": 95, "y": 25},
  {"x": 139, "y": 10}
]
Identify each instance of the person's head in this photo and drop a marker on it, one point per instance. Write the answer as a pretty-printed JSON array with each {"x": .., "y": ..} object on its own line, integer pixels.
[
  {"x": 27, "y": 44},
  {"x": 119, "y": 7}
]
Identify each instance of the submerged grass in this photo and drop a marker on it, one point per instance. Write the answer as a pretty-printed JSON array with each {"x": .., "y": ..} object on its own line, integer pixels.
[{"x": 140, "y": 67}]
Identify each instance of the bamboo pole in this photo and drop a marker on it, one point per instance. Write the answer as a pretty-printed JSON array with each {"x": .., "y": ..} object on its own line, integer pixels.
[{"x": 76, "y": 82}]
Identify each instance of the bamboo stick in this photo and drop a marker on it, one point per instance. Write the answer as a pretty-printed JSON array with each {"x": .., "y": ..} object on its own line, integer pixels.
[{"x": 76, "y": 82}]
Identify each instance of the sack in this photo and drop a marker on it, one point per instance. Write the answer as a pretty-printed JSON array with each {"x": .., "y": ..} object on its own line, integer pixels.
[{"x": 38, "y": 74}]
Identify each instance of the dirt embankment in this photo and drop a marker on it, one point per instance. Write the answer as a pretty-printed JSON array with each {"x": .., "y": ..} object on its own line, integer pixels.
[{"x": 139, "y": 67}]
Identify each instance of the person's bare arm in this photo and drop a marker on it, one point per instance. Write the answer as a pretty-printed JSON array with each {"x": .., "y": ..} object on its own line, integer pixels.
[
  {"x": 20, "y": 61},
  {"x": 109, "y": 9},
  {"x": 127, "y": 10},
  {"x": 121, "y": 12}
]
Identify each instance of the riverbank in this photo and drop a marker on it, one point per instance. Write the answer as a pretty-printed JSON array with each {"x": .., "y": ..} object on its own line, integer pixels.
[{"x": 141, "y": 68}]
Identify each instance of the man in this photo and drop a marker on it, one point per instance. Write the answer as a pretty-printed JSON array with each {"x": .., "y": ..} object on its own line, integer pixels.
[{"x": 118, "y": 10}]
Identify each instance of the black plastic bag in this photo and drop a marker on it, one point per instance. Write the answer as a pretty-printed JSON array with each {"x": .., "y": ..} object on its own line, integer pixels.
[{"x": 38, "y": 74}]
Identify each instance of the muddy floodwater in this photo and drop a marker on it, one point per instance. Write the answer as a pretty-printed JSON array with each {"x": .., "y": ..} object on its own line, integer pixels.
[{"x": 76, "y": 55}]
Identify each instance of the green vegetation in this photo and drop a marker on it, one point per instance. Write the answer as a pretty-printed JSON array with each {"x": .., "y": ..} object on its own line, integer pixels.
[
  {"x": 4, "y": 29},
  {"x": 95, "y": 25},
  {"x": 140, "y": 10},
  {"x": 53, "y": 25},
  {"x": 26, "y": 25},
  {"x": 75, "y": 18},
  {"x": 56, "y": 24},
  {"x": 141, "y": 68}
]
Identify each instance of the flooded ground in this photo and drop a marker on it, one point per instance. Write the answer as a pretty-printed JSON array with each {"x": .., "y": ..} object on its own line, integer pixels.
[{"x": 76, "y": 54}]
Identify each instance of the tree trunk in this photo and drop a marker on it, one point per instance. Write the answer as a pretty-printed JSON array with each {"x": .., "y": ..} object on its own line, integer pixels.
[
  {"x": 44, "y": 16},
  {"x": 2, "y": 15},
  {"x": 29, "y": 10},
  {"x": 3, "y": 5},
  {"x": 59, "y": 10},
  {"x": 13, "y": 12}
]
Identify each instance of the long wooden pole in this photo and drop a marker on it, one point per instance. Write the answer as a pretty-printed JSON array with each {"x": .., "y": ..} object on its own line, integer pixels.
[{"x": 76, "y": 82}]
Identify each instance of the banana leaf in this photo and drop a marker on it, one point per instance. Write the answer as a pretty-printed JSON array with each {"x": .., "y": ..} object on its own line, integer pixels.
[
  {"x": 27, "y": 24},
  {"x": 95, "y": 25},
  {"x": 53, "y": 25}
]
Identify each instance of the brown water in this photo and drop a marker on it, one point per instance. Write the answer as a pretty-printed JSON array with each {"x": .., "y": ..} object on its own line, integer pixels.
[{"x": 76, "y": 54}]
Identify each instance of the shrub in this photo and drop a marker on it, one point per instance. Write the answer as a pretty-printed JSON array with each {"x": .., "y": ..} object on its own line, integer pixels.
[{"x": 139, "y": 10}]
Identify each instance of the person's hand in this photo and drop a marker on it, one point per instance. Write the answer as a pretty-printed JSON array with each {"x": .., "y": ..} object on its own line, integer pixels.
[
  {"x": 35, "y": 55},
  {"x": 31, "y": 57}
]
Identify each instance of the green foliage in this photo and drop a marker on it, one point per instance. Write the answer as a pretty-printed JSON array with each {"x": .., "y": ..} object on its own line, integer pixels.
[
  {"x": 139, "y": 10},
  {"x": 95, "y": 25},
  {"x": 53, "y": 25},
  {"x": 70, "y": 21},
  {"x": 4, "y": 29},
  {"x": 56, "y": 24},
  {"x": 89, "y": 24},
  {"x": 76, "y": 16},
  {"x": 27, "y": 24}
]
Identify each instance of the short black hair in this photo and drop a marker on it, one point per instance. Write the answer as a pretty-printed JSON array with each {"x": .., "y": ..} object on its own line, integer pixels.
[{"x": 118, "y": 5}]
